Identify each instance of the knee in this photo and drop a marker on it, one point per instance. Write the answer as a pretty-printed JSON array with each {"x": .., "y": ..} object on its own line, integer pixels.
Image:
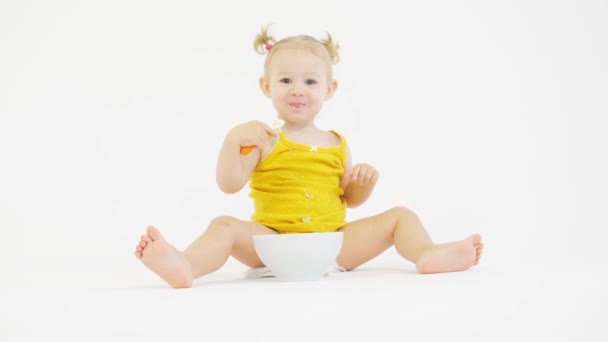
[
  {"x": 403, "y": 213},
  {"x": 222, "y": 223}
]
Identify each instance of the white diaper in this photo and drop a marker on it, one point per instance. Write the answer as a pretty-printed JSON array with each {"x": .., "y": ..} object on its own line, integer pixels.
[{"x": 264, "y": 272}]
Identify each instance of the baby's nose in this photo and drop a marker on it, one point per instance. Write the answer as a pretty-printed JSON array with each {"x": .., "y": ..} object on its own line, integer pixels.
[{"x": 296, "y": 91}]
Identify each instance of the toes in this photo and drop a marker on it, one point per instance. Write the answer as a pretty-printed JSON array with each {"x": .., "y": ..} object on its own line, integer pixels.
[
  {"x": 477, "y": 255},
  {"x": 146, "y": 238},
  {"x": 154, "y": 233},
  {"x": 151, "y": 235},
  {"x": 475, "y": 238}
]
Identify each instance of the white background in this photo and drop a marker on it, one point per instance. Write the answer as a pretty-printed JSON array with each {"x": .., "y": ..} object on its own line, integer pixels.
[{"x": 481, "y": 116}]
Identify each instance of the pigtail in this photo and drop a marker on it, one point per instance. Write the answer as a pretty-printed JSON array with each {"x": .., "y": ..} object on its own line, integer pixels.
[
  {"x": 332, "y": 48},
  {"x": 263, "y": 41}
]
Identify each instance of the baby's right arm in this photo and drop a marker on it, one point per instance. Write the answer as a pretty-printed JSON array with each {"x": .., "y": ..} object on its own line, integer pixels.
[{"x": 233, "y": 168}]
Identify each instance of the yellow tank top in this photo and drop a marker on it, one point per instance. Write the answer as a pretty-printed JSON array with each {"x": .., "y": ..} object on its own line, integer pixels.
[{"x": 296, "y": 188}]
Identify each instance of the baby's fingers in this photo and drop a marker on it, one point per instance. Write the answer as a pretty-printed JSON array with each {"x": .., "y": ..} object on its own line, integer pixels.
[
  {"x": 268, "y": 130},
  {"x": 364, "y": 175},
  {"x": 272, "y": 129},
  {"x": 261, "y": 133}
]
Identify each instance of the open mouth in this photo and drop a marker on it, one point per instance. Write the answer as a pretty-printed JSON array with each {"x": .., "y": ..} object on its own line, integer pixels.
[{"x": 296, "y": 105}]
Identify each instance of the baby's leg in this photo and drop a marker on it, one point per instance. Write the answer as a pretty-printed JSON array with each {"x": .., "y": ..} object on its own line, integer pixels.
[
  {"x": 366, "y": 238},
  {"x": 224, "y": 236}
]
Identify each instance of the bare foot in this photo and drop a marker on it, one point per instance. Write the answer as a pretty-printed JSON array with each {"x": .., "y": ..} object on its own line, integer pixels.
[
  {"x": 451, "y": 257},
  {"x": 163, "y": 259}
]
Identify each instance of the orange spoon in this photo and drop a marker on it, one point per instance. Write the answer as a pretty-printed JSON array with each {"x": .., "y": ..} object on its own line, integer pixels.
[{"x": 247, "y": 149}]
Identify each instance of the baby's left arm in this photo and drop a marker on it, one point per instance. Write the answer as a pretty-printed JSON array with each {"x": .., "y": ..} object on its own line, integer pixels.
[{"x": 357, "y": 182}]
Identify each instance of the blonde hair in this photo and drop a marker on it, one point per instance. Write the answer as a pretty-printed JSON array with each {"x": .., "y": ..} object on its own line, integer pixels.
[{"x": 326, "y": 49}]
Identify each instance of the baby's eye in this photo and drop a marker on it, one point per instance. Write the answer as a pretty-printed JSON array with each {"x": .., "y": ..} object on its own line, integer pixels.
[
  {"x": 285, "y": 80},
  {"x": 311, "y": 82}
]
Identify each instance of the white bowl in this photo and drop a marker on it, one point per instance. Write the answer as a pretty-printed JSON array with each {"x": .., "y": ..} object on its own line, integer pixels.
[{"x": 299, "y": 257}]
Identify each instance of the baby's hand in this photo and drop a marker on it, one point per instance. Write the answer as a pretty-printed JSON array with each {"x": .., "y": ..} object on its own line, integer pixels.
[
  {"x": 251, "y": 135},
  {"x": 364, "y": 175}
]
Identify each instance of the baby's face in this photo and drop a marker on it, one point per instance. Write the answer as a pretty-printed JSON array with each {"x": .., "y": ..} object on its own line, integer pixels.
[{"x": 298, "y": 85}]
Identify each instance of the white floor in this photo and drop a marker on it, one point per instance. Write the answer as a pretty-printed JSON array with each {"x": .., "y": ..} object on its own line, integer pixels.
[{"x": 384, "y": 300}]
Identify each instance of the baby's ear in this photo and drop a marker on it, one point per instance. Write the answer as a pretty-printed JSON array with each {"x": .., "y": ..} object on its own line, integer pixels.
[
  {"x": 331, "y": 89},
  {"x": 265, "y": 86}
]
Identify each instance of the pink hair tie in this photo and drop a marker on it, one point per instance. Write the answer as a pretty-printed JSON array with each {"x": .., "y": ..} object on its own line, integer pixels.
[{"x": 268, "y": 47}]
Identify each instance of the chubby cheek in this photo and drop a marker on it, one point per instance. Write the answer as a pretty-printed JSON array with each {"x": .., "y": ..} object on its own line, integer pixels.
[
  {"x": 279, "y": 93},
  {"x": 279, "y": 103},
  {"x": 319, "y": 98}
]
